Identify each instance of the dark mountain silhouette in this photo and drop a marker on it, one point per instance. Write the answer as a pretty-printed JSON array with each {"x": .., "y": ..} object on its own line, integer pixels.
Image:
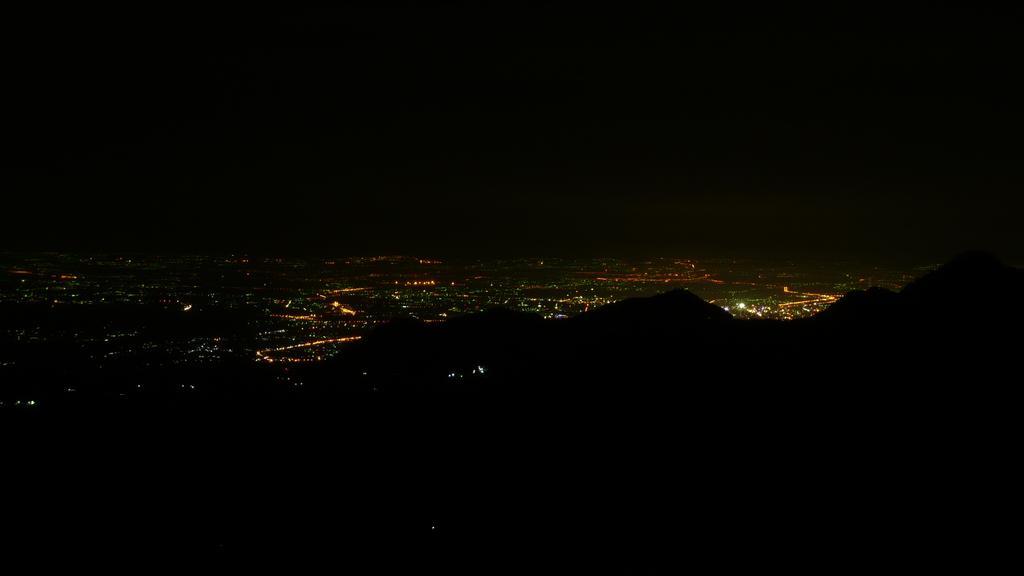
[
  {"x": 645, "y": 431},
  {"x": 674, "y": 308},
  {"x": 969, "y": 275},
  {"x": 973, "y": 287},
  {"x": 860, "y": 306}
]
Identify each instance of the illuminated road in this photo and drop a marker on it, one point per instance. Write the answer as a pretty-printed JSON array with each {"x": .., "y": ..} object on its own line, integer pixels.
[
  {"x": 814, "y": 298},
  {"x": 265, "y": 354}
]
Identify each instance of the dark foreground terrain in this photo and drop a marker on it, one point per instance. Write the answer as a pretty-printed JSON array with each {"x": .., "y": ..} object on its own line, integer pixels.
[{"x": 882, "y": 433}]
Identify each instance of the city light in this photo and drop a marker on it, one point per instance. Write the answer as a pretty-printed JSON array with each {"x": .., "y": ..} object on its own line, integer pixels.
[{"x": 301, "y": 310}]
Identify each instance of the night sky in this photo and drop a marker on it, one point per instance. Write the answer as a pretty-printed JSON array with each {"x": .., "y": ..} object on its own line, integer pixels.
[{"x": 452, "y": 129}]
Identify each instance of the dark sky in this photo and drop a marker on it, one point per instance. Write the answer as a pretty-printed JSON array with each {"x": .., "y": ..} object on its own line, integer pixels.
[{"x": 518, "y": 128}]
